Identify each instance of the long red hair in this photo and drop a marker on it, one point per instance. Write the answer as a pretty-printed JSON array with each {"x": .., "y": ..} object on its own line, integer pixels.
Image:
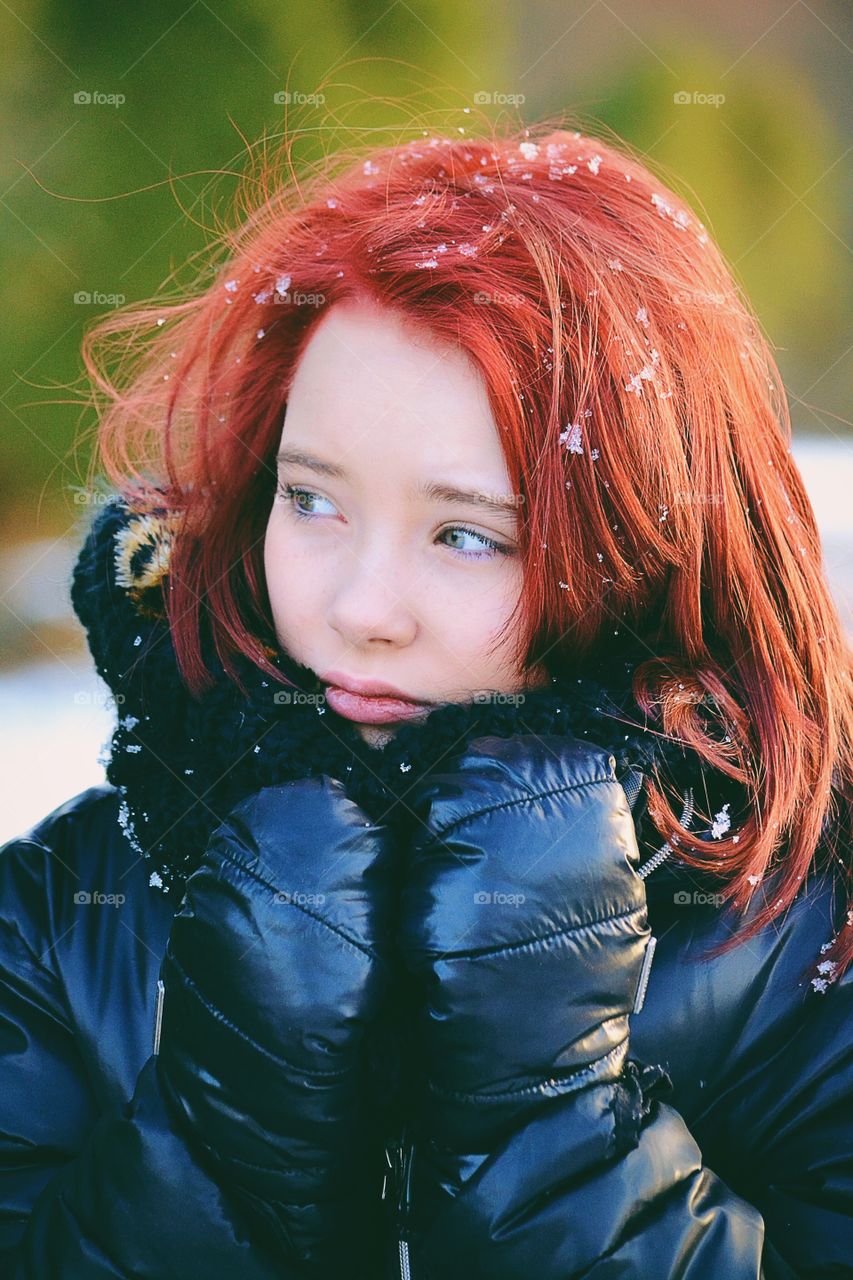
[{"x": 641, "y": 415}]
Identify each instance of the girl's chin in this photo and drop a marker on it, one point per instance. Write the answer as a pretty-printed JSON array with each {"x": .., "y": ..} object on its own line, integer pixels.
[{"x": 376, "y": 735}]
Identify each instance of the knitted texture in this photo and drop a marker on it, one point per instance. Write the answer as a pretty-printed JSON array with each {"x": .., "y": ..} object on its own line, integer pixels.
[{"x": 181, "y": 763}]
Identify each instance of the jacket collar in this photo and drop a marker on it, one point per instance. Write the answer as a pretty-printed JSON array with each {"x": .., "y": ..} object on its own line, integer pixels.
[{"x": 181, "y": 764}]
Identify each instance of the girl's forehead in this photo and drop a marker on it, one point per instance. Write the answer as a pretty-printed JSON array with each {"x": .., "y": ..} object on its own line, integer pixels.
[{"x": 364, "y": 371}]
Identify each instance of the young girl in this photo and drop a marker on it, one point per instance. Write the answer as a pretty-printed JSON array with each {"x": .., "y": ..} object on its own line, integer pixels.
[{"x": 470, "y": 894}]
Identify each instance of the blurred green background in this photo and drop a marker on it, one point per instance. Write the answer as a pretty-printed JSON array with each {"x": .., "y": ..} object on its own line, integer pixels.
[
  {"x": 95, "y": 192},
  {"x": 120, "y": 119}
]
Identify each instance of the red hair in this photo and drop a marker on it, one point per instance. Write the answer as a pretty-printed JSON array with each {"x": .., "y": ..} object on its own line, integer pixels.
[{"x": 641, "y": 415}]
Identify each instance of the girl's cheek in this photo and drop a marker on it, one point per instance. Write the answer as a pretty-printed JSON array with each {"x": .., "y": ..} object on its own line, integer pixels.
[
  {"x": 464, "y": 622},
  {"x": 290, "y": 581},
  {"x": 286, "y": 551}
]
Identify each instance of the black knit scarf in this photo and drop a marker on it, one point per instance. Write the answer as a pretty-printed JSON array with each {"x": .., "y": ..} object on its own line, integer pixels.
[{"x": 181, "y": 763}]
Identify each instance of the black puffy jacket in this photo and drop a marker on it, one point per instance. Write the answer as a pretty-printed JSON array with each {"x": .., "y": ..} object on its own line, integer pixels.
[
  {"x": 723, "y": 1151},
  {"x": 742, "y": 1171}
]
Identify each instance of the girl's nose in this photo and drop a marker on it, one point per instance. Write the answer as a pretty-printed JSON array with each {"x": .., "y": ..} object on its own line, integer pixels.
[{"x": 370, "y": 602}]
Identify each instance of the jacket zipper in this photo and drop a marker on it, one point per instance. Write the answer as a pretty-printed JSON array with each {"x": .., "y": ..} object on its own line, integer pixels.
[
  {"x": 653, "y": 863},
  {"x": 632, "y": 783},
  {"x": 399, "y": 1156},
  {"x": 158, "y": 1014},
  {"x": 666, "y": 849}
]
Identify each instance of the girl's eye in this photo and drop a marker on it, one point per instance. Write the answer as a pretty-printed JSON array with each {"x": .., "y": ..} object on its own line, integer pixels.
[
  {"x": 490, "y": 543},
  {"x": 488, "y": 547},
  {"x": 289, "y": 492}
]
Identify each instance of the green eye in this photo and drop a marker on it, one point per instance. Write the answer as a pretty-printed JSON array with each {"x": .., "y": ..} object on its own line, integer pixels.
[
  {"x": 289, "y": 492},
  {"x": 481, "y": 537},
  {"x": 489, "y": 547}
]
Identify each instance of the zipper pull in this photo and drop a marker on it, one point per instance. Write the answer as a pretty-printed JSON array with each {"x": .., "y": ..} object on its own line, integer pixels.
[
  {"x": 404, "y": 1198},
  {"x": 390, "y": 1165},
  {"x": 645, "y": 970},
  {"x": 399, "y": 1156},
  {"x": 158, "y": 1014}
]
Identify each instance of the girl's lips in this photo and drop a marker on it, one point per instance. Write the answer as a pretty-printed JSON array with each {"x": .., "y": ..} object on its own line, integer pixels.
[{"x": 371, "y": 710}]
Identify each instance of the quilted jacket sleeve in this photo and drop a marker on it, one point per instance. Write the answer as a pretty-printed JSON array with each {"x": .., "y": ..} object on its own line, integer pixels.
[
  {"x": 611, "y": 1182},
  {"x": 87, "y": 1194}
]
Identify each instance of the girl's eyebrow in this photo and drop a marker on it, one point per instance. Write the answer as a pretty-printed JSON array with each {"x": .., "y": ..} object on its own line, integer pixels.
[
  {"x": 433, "y": 491},
  {"x": 299, "y": 458}
]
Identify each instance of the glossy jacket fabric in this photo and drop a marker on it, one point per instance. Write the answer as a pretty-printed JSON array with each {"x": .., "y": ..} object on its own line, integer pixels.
[
  {"x": 741, "y": 1170},
  {"x": 722, "y": 1148}
]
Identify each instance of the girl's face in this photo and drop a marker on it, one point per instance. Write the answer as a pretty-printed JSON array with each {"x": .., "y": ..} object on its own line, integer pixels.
[{"x": 376, "y": 571}]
